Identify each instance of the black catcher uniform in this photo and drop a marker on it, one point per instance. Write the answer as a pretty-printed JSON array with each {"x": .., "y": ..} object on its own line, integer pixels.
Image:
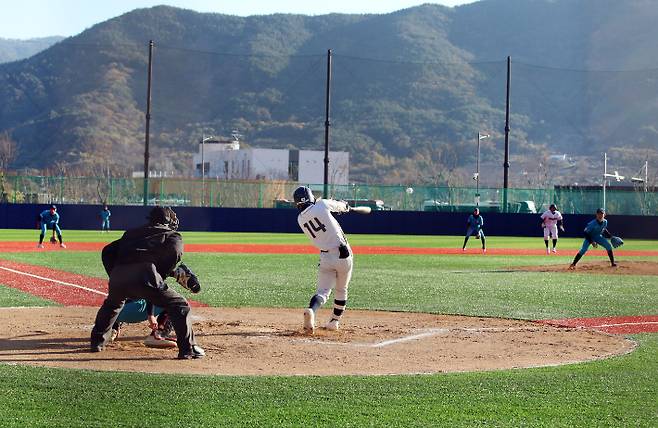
[{"x": 137, "y": 265}]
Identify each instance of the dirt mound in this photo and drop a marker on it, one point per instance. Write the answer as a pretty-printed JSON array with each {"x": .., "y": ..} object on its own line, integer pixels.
[
  {"x": 600, "y": 267},
  {"x": 267, "y": 341}
]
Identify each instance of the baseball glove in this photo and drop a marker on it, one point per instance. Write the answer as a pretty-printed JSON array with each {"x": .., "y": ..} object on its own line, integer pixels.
[
  {"x": 616, "y": 241},
  {"x": 186, "y": 278},
  {"x": 53, "y": 240}
]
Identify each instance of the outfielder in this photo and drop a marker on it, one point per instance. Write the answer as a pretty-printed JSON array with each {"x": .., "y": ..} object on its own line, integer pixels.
[
  {"x": 474, "y": 227},
  {"x": 105, "y": 218},
  {"x": 49, "y": 219},
  {"x": 596, "y": 233},
  {"x": 551, "y": 219},
  {"x": 336, "y": 261}
]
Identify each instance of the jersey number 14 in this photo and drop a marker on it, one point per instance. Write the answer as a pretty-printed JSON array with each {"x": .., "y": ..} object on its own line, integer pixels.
[{"x": 319, "y": 227}]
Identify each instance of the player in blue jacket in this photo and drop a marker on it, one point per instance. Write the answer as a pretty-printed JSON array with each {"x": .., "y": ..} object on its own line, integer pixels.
[
  {"x": 596, "y": 233},
  {"x": 105, "y": 219},
  {"x": 49, "y": 219},
  {"x": 474, "y": 228}
]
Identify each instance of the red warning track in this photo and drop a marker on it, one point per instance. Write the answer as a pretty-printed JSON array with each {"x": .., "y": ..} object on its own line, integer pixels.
[
  {"x": 307, "y": 249},
  {"x": 614, "y": 325},
  {"x": 66, "y": 288}
]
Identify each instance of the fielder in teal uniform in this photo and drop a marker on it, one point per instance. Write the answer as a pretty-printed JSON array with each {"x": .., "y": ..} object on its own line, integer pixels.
[
  {"x": 105, "y": 218},
  {"x": 596, "y": 233},
  {"x": 49, "y": 219},
  {"x": 474, "y": 227}
]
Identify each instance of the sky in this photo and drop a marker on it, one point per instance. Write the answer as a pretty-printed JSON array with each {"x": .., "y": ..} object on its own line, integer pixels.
[{"x": 41, "y": 18}]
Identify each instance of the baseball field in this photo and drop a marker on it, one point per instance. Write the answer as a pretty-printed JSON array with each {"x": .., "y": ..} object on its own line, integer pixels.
[{"x": 432, "y": 337}]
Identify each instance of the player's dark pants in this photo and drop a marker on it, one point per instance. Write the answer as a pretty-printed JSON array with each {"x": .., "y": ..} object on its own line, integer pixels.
[{"x": 142, "y": 281}]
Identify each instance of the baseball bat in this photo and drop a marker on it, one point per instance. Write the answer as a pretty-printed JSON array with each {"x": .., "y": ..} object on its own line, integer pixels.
[{"x": 361, "y": 210}]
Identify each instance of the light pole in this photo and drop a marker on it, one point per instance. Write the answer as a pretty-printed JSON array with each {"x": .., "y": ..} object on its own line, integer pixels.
[
  {"x": 616, "y": 175},
  {"x": 477, "y": 169}
]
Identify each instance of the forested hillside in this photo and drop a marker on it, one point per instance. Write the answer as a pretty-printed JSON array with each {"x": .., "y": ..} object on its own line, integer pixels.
[{"x": 410, "y": 89}]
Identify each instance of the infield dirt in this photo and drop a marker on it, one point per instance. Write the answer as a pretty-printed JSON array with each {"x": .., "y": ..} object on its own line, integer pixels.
[{"x": 267, "y": 341}]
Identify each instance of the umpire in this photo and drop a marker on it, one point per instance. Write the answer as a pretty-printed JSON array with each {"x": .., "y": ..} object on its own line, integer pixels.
[{"x": 137, "y": 265}]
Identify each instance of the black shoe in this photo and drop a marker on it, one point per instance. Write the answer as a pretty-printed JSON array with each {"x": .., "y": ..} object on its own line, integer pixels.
[
  {"x": 96, "y": 347},
  {"x": 195, "y": 353}
]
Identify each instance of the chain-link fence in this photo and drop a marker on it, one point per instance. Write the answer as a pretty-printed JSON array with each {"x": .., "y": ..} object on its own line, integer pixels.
[{"x": 277, "y": 194}]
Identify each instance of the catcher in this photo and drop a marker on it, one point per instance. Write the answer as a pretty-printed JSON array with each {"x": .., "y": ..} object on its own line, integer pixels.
[
  {"x": 140, "y": 310},
  {"x": 49, "y": 219},
  {"x": 596, "y": 233},
  {"x": 137, "y": 265}
]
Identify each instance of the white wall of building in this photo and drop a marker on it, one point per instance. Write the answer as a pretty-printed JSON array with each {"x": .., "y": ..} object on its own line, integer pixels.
[
  {"x": 271, "y": 164},
  {"x": 311, "y": 167}
]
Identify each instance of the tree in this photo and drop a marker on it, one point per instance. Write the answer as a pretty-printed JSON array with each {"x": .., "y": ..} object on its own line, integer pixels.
[{"x": 8, "y": 152}]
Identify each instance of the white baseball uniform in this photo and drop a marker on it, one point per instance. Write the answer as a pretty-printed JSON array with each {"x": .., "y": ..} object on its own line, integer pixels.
[
  {"x": 335, "y": 270},
  {"x": 550, "y": 220}
]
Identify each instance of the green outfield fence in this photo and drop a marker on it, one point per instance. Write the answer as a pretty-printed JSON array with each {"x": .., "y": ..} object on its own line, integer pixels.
[{"x": 268, "y": 194}]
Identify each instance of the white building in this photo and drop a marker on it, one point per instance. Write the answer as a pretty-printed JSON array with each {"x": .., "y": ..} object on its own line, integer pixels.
[{"x": 226, "y": 160}]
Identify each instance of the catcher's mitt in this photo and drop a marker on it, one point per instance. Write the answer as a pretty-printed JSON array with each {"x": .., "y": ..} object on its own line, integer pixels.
[
  {"x": 53, "y": 240},
  {"x": 616, "y": 241},
  {"x": 186, "y": 278}
]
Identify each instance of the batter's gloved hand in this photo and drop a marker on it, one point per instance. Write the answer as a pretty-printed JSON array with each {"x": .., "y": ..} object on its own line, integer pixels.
[
  {"x": 186, "y": 278},
  {"x": 616, "y": 241}
]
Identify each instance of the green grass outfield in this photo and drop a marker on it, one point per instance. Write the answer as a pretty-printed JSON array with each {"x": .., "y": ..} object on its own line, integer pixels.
[{"x": 616, "y": 392}]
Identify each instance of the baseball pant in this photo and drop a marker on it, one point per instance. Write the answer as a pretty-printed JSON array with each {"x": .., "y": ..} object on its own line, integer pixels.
[
  {"x": 599, "y": 240},
  {"x": 51, "y": 226},
  {"x": 334, "y": 273},
  {"x": 142, "y": 281},
  {"x": 550, "y": 231}
]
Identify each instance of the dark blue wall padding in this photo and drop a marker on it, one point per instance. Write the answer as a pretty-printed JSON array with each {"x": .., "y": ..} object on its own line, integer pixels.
[{"x": 278, "y": 220}]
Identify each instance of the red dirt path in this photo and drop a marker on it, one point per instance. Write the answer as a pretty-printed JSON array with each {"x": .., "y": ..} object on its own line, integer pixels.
[
  {"x": 56, "y": 285},
  {"x": 9, "y": 247},
  {"x": 614, "y": 325}
]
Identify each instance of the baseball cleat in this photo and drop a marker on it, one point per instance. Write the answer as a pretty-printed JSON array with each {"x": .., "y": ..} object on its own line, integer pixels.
[
  {"x": 613, "y": 265},
  {"x": 39, "y": 245},
  {"x": 572, "y": 267},
  {"x": 554, "y": 250},
  {"x": 62, "y": 245},
  {"x": 194, "y": 353},
  {"x": 332, "y": 325},
  {"x": 464, "y": 250},
  {"x": 484, "y": 251},
  {"x": 548, "y": 251},
  {"x": 309, "y": 320}
]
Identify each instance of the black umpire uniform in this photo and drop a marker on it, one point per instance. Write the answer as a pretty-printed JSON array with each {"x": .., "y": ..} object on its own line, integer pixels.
[{"x": 137, "y": 265}]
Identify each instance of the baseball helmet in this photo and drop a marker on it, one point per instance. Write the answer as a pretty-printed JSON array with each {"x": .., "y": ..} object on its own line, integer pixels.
[
  {"x": 164, "y": 216},
  {"x": 303, "y": 197}
]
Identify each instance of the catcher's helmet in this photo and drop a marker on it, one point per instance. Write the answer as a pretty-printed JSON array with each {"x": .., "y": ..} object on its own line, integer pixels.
[
  {"x": 303, "y": 197},
  {"x": 164, "y": 216}
]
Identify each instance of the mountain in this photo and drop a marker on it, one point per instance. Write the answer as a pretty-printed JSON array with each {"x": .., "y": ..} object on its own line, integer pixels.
[
  {"x": 410, "y": 89},
  {"x": 14, "y": 49}
]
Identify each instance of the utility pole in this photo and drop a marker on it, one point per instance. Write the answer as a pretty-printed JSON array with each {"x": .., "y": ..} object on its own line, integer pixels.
[
  {"x": 506, "y": 163},
  {"x": 148, "y": 124},
  {"x": 327, "y": 124}
]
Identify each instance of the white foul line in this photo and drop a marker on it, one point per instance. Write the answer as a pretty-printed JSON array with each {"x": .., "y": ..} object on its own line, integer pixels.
[
  {"x": 54, "y": 280},
  {"x": 622, "y": 323}
]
